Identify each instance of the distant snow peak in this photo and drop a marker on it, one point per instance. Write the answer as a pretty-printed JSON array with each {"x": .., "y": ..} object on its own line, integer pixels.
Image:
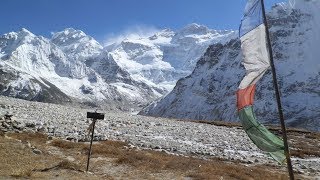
[
  {"x": 163, "y": 34},
  {"x": 24, "y": 36},
  {"x": 72, "y": 36},
  {"x": 76, "y": 44},
  {"x": 131, "y": 32},
  {"x": 24, "y": 31},
  {"x": 194, "y": 29},
  {"x": 70, "y": 33}
]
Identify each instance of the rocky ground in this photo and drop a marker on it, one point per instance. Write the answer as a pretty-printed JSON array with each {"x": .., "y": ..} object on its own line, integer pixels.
[{"x": 191, "y": 139}]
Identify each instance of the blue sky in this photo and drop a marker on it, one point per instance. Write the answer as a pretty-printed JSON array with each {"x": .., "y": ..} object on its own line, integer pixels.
[{"x": 104, "y": 18}]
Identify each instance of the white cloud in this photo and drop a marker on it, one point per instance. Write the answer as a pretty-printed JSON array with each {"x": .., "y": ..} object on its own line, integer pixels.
[{"x": 132, "y": 32}]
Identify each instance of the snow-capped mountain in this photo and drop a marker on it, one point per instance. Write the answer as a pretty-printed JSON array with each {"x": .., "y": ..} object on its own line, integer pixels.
[
  {"x": 74, "y": 67},
  {"x": 76, "y": 44},
  {"x": 64, "y": 69},
  {"x": 209, "y": 92},
  {"x": 166, "y": 56}
]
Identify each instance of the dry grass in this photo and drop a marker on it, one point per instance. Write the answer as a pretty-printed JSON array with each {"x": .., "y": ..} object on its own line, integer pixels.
[
  {"x": 65, "y": 164},
  {"x": 37, "y": 138},
  {"x": 141, "y": 160},
  {"x": 155, "y": 162},
  {"x": 195, "y": 168},
  {"x": 313, "y": 135},
  {"x": 305, "y": 153},
  {"x": 18, "y": 160},
  {"x": 23, "y": 173},
  {"x": 65, "y": 144},
  {"x": 305, "y": 144},
  {"x": 110, "y": 148},
  {"x": 146, "y": 161},
  {"x": 106, "y": 148},
  {"x": 304, "y": 149}
]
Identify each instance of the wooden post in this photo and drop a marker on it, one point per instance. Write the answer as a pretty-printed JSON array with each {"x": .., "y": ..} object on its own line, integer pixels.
[
  {"x": 90, "y": 151},
  {"x": 94, "y": 116},
  {"x": 277, "y": 92}
]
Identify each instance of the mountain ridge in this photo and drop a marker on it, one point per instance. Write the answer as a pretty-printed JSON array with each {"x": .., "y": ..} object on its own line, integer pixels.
[
  {"x": 122, "y": 75},
  {"x": 209, "y": 92}
]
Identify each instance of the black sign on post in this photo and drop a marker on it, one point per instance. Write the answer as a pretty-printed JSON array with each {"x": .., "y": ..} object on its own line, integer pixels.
[{"x": 94, "y": 116}]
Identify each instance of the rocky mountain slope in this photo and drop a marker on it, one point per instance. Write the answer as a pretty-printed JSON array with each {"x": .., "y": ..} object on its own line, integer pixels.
[
  {"x": 74, "y": 67},
  {"x": 209, "y": 92}
]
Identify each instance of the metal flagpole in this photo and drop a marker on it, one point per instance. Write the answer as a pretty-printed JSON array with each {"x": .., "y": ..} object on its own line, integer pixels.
[{"x": 275, "y": 84}]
